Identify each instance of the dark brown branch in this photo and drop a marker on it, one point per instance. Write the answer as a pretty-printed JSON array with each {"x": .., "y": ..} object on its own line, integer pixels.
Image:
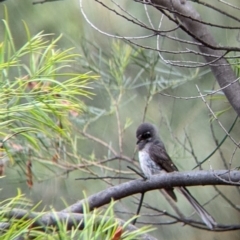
[
  {"x": 218, "y": 10},
  {"x": 44, "y": 1}
]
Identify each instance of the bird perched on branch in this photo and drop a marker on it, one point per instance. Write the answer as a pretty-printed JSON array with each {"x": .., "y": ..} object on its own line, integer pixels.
[{"x": 154, "y": 159}]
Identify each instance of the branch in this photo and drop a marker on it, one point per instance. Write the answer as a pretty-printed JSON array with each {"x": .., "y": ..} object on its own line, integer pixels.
[
  {"x": 222, "y": 71},
  {"x": 169, "y": 180},
  {"x": 44, "y": 1},
  {"x": 73, "y": 215}
]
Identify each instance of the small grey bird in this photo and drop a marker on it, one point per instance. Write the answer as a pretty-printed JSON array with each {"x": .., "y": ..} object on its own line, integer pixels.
[{"x": 154, "y": 159}]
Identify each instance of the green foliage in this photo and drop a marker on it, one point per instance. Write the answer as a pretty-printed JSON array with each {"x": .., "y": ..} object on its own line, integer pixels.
[
  {"x": 39, "y": 90},
  {"x": 98, "y": 224},
  {"x": 41, "y": 101},
  {"x": 15, "y": 227}
]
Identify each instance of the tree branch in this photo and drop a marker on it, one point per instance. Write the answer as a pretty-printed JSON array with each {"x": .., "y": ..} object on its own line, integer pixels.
[
  {"x": 175, "y": 179},
  {"x": 73, "y": 215},
  {"x": 222, "y": 70}
]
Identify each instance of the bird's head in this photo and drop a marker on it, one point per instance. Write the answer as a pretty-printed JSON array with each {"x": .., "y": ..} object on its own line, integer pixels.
[{"x": 145, "y": 133}]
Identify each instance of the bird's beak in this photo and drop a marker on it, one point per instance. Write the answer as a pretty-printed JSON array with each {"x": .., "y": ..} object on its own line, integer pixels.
[{"x": 138, "y": 141}]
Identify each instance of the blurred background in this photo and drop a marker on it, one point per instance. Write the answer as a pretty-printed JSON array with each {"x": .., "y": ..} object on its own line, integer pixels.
[{"x": 135, "y": 90}]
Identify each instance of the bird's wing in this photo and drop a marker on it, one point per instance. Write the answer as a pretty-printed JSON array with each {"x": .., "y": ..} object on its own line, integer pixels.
[{"x": 159, "y": 155}]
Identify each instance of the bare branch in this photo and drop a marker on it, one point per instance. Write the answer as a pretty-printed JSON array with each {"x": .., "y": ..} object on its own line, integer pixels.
[
  {"x": 214, "y": 115},
  {"x": 175, "y": 179},
  {"x": 224, "y": 73}
]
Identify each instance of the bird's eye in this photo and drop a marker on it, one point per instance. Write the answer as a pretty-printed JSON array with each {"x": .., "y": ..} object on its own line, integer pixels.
[{"x": 146, "y": 135}]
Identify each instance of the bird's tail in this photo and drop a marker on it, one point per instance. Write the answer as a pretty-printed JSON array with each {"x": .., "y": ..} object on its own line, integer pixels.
[{"x": 205, "y": 216}]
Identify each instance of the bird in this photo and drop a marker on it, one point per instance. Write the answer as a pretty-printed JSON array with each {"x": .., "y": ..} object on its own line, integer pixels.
[{"x": 154, "y": 159}]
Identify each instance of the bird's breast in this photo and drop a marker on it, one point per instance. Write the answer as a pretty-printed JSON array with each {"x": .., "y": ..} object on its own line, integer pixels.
[{"x": 148, "y": 166}]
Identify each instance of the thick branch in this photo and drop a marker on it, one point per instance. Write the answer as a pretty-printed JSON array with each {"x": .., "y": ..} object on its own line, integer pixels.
[
  {"x": 200, "y": 33},
  {"x": 175, "y": 179},
  {"x": 73, "y": 214}
]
